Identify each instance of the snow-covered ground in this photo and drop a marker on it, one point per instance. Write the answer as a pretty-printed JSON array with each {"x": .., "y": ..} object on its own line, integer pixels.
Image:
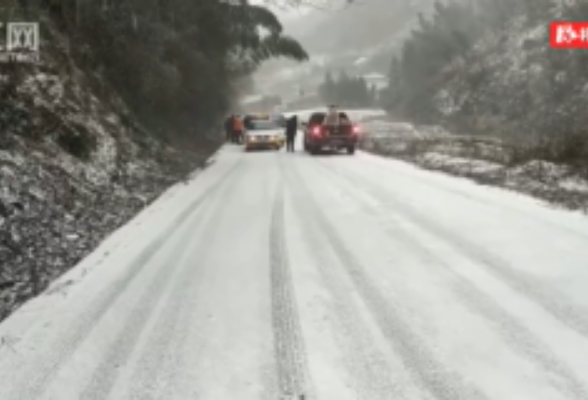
[
  {"x": 337, "y": 277},
  {"x": 487, "y": 160}
]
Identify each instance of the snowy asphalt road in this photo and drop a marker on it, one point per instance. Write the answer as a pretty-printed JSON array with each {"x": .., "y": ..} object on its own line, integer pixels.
[{"x": 337, "y": 277}]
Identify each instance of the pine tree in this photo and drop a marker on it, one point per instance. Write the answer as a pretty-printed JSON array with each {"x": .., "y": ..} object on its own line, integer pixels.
[
  {"x": 328, "y": 89},
  {"x": 373, "y": 99},
  {"x": 364, "y": 93},
  {"x": 342, "y": 86}
]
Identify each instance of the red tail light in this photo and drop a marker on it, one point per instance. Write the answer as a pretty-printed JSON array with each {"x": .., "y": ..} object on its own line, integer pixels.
[
  {"x": 316, "y": 131},
  {"x": 356, "y": 129}
]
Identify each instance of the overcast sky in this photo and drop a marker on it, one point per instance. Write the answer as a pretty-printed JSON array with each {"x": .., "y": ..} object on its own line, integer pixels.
[{"x": 282, "y": 12}]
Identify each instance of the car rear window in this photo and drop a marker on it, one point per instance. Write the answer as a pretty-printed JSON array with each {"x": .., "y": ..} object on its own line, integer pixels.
[
  {"x": 317, "y": 118},
  {"x": 263, "y": 125},
  {"x": 261, "y": 117}
]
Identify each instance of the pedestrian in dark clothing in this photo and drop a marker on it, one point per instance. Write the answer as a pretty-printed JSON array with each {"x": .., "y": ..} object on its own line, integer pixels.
[
  {"x": 229, "y": 128},
  {"x": 291, "y": 130},
  {"x": 238, "y": 129},
  {"x": 248, "y": 122}
]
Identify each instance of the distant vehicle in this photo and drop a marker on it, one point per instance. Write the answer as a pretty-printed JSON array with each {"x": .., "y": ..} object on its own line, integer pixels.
[
  {"x": 318, "y": 137},
  {"x": 279, "y": 119},
  {"x": 259, "y": 116},
  {"x": 264, "y": 133}
]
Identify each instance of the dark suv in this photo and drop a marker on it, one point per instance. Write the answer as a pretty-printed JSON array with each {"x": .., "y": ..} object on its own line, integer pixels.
[{"x": 318, "y": 136}]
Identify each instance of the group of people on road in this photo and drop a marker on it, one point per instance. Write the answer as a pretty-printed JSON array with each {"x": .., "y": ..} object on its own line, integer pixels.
[{"x": 235, "y": 128}]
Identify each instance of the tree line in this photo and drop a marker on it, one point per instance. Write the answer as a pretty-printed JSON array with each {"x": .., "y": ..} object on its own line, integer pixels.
[
  {"x": 448, "y": 35},
  {"x": 174, "y": 62},
  {"x": 346, "y": 91}
]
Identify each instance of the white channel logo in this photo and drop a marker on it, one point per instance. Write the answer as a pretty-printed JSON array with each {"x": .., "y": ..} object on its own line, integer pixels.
[{"x": 22, "y": 36}]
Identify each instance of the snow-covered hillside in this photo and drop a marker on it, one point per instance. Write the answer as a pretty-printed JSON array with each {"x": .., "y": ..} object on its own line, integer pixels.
[
  {"x": 514, "y": 86},
  {"x": 74, "y": 166}
]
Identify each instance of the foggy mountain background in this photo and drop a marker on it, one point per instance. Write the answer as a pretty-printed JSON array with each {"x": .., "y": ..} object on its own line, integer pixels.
[
  {"x": 363, "y": 24},
  {"x": 368, "y": 30}
]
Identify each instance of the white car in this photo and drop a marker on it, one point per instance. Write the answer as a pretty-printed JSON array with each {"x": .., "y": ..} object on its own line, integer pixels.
[{"x": 264, "y": 134}]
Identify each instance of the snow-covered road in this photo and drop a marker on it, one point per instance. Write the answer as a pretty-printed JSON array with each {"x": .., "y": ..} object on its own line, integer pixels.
[{"x": 336, "y": 277}]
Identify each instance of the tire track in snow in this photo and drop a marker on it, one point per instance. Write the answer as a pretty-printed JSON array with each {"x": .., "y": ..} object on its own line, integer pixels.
[
  {"x": 115, "y": 357},
  {"x": 32, "y": 386},
  {"x": 158, "y": 368},
  {"x": 574, "y": 317},
  {"x": 442, "y": 383},
  {"x": 516, "y": 335},
  {"x": 366, "y": 366},
  {"x": 155, "y": 368},
  {"x": 183, "y": 276},
  {"x": 270, "y": 388},
  {"x": 292, "y": 368}
]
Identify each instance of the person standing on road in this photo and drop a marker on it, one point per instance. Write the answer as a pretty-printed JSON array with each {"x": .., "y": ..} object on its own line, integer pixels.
[
  {"x": 229, "y": 128},
  {"x": 248, "y": 122},
  {"x": 332, "y": 118},
  {"x": 238, "y": 129},
  {"x": 291, "y": 129}
]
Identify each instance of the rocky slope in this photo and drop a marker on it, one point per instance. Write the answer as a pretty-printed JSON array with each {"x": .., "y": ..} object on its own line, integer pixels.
[{"x": 74, "y": 166}]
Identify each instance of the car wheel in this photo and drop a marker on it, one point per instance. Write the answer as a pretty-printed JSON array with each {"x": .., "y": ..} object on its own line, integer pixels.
[{"x": 351, "y": 150}]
